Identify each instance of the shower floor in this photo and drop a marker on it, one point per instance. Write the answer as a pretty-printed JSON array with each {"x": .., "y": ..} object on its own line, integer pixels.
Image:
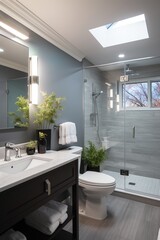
[{"x": 143, "y": 185}]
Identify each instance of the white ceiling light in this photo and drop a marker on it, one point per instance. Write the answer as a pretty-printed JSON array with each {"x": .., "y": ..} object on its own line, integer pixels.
[
  {"x": 1, "y": 50},
  {"x": 13, "y": 31},
  {"x": 127, "y": 30},
  {"x": 121, "y": 55}
]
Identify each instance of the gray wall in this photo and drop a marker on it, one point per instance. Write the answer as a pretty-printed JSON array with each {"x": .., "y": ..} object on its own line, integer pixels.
[{"x": 62, "y": 74}]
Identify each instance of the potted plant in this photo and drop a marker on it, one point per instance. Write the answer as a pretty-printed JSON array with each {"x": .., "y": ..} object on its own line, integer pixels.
[
  {"x": 21, "y": 116},
  {"x": 46, "y": 115},
  {"x": 93, "y": 156},
  {"x": 31, "y": 147},
  {"x": 42, "y": 142}
]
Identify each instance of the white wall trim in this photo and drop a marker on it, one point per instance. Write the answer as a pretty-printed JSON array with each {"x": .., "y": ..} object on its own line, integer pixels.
[{"x": 20, "y": 13}]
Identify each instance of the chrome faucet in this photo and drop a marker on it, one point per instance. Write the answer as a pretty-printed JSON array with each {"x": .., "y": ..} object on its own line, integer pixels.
[{"x": 11, "y": 146}]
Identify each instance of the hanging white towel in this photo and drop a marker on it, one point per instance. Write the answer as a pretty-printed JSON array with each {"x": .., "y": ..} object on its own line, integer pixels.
[
  {"x": 67, "y": 133},
  {"x": 42, "y": 227},
  {"x": 44, "y": 215},
  {"x": 60, "y": 207},
  {"x": 62, "y": 134}
]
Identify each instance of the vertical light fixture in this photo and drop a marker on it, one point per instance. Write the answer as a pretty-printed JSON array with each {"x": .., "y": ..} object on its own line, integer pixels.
[
  {"x": 111, "y": 97},
  {"x": 34, "y": 80},
  {"x": 111, "y": 93},
  {"x": 117, "y": 97}
]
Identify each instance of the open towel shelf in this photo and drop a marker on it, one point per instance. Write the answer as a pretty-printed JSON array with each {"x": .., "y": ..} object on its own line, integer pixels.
[{"x": 32, "y": 233}]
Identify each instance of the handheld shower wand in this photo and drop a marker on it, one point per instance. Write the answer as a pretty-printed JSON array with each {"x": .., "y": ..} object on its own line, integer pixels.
[{"x": 96, "y": 94}]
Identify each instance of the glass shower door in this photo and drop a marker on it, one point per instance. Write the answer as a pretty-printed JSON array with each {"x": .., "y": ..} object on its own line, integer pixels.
[{"x": 141, "y": 102}]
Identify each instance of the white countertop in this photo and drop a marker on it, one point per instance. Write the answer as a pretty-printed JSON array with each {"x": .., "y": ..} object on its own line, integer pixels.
[{"x": 55, "y": 160}]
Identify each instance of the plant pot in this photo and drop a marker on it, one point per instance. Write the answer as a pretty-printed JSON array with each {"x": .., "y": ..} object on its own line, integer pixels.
[
  {"x": 95, "y": 169},
  {"x": 42, "y": 145},
  {"x": 30, "y": 151},
  {"x": 48, "y": 137}
]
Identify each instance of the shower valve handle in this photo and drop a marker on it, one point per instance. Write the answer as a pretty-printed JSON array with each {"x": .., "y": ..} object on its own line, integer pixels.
[{"x": 133, "y": 131}]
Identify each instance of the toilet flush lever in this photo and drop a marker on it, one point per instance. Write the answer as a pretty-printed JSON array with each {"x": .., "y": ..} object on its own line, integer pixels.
[{"x": 48, "y": 186}]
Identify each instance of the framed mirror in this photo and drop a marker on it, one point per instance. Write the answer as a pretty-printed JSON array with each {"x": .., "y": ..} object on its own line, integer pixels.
[{"x": 14, "y": 61}]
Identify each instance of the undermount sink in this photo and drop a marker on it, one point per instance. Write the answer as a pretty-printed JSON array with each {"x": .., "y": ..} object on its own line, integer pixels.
[{"x": 21, "y": 165}]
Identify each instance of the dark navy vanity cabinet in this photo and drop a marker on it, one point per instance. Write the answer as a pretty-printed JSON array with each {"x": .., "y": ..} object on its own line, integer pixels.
[{"x": 18, "y": 201}]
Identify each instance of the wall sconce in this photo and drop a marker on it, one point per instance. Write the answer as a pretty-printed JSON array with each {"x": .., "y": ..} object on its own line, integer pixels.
[{"x": 34, "y": 80}]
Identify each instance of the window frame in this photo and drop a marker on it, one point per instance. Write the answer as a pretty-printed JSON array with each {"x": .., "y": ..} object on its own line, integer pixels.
[{"x": 133, "y": 81}]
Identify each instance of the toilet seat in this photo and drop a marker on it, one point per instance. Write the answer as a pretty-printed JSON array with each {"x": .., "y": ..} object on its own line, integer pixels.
[{"x": 97, "y": 179}]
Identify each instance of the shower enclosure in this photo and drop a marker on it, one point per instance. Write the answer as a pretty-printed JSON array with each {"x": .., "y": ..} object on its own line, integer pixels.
[{"x": 124, "y": 117}]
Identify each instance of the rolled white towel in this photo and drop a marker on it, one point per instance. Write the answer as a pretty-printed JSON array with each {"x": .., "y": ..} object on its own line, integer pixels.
[
  {"x": 17, "y": 236},
  {"x": 63, "y": 218},
  {"x": 44, "y": 215},
  {"x": 12, "y": 235},
  {"x": 46, "y": 229},
  {"x": 6, "y": 234},
  {"x": 60, "y": 207}
]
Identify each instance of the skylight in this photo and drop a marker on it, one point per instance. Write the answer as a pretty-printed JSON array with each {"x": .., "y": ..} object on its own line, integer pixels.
[{"x": 127, "y": 30}]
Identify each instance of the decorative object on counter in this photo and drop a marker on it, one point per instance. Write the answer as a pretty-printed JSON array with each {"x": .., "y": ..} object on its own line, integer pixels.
[
  {"x": 42, "y": 142},
  {"x": 67, "y": 133},
  {"x": 93, "y": 156},
  {"x": 31, "y": 147},
  {"x": 47, "y": 113},
  {"x": 47, "y": 133},
  {"x": 21, "y": 116}
]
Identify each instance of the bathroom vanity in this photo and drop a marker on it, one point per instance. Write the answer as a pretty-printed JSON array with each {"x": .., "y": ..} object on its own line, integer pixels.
[{"x": 38, "y": 185}]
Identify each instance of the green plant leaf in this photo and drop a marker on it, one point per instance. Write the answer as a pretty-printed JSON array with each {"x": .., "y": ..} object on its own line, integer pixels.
[
  {"x": 93, "y": 155},
  {"x": 47, "y": 111}
]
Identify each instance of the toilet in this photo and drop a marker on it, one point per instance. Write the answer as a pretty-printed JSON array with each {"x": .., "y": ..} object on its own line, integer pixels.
[{"x": 94, "y": 189}]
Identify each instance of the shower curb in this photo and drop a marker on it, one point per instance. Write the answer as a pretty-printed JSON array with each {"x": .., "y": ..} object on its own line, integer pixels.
[{"x": 138, "y": 198}]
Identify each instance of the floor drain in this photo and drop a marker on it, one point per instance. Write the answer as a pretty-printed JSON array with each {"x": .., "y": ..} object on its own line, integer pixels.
[{"x": 132, "y": 183}]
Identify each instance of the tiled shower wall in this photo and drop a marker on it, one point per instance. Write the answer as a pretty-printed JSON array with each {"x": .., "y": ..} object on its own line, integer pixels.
[
  {"x": 139, "y": 155},
  {"x": 95, "y": 109}
]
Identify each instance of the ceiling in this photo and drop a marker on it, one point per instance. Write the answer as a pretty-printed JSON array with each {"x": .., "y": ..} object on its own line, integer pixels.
[{"x": 72, "y": 19}]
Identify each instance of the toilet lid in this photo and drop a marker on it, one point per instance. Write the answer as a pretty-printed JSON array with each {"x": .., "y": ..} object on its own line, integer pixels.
[{"x": 96, "y": 179}]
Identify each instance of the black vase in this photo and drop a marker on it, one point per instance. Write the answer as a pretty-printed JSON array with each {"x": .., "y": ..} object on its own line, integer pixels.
[
  {"x": 30, "y": 151},
  {"x": 48, "y": 137},
  {"x": 42, "y": 145}
]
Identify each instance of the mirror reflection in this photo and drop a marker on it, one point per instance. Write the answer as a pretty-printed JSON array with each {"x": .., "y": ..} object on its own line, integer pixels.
[{"x": 13, "y": 81}]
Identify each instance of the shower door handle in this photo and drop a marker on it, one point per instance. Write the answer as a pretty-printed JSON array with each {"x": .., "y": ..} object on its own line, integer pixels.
[{"x": 133, "y": 131}]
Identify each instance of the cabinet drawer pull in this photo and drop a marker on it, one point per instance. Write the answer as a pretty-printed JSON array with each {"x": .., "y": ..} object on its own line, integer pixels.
[{"x": 48, "y": 186}]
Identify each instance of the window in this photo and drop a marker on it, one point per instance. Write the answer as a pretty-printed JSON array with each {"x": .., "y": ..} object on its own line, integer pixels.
[
  {"x": 155, "y": 90},
  {"x": 141, "y": 95}
]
